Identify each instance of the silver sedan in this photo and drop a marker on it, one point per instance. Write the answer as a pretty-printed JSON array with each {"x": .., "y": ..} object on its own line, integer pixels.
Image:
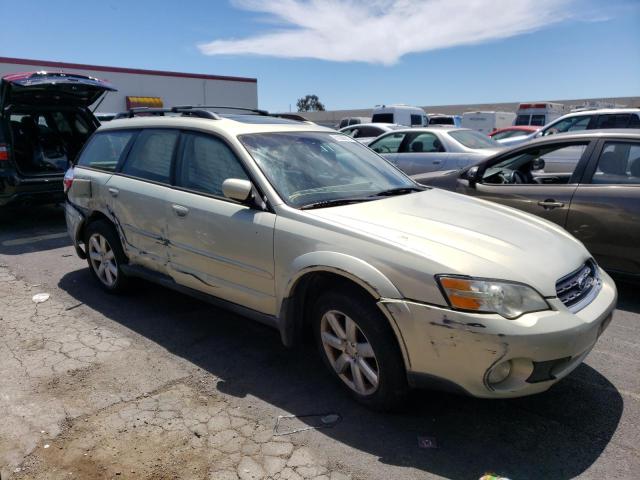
[{"x": 422, "y": 150}]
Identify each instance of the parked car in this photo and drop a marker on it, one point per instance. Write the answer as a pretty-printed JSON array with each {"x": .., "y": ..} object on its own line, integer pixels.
[
  {"x": 487, "y": 122},
  {"x": 401, "y": 114},
  {"x": 586, "y": 182},
  {"x": 509, "y": 132},
  {"x": 538, "y": 114},
  {"x": 345, "y": 122},
  {"x": 302, "y": 227},
  {"x": 365, "y": 133},
  {"x": 421, "y": 150},
  {"x": 44, "y": 122},
  {"x": 442, "y": 119},
  {"x": 587, "y": 119}
]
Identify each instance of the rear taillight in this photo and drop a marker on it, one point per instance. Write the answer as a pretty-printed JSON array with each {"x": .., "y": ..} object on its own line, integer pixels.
[
  {"x": 68, "y": 179},
  {"x": 4, "y": 152}
]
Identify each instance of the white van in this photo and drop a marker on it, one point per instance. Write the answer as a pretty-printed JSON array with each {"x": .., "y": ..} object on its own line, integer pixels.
[
  {"x": 539, "y": 114},
  {"x": 401, "y": 115},
  {"x": 487, "y": 122}
]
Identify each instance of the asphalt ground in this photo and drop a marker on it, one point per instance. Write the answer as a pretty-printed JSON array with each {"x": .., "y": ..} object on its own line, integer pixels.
[{"x": 162, "y": 344}]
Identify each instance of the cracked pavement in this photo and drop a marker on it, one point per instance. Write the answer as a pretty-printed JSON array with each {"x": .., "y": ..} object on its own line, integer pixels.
[{"x": 156, "y": 385}]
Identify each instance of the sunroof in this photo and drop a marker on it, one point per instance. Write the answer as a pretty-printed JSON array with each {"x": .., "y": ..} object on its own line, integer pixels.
[{"x": 261, "y": 119}]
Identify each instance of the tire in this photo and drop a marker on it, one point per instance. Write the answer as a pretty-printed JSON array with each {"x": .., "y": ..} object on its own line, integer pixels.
[
  {"x": 374, "y": 351},
  {"x": 105, "y": 256}
]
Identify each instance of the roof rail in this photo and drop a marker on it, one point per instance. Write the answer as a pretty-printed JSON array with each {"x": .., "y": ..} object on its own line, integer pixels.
[
  {"x": 185, "y": 111},
  {"x": 223, "y": 107}
]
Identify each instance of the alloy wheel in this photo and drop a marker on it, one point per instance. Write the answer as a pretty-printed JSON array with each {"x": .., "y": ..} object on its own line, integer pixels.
[
  {"x": 103, "y": 259},
  {"x": 349, "y": 352}
]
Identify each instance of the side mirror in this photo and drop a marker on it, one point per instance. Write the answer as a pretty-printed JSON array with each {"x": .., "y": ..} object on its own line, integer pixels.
[
  {"x": 537, "y": 164},
  {"x": 237, "y": 189},
  {"x": 472, "y": 175}
]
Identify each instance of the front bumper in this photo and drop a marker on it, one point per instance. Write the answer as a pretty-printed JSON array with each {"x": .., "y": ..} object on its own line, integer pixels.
[{"x": 458, "y": 349}]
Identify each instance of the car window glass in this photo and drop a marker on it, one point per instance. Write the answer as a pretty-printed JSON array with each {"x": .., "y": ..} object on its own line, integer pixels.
[
  {"x": 151, "y": 155},
  {"x": 104, "y": 150},
  {"x": 613, "y": 121},
  {"x": 206, "y": 163},
  {"x": 573, "y": 124},
  {"x": 350, "y": 131},
  {"x": 634, "y": 121},
  {"x": 388, "y": 144},
  {"x": 538, "y": 120},
  {"x": 382, "y": 118},
  {"x": 522, "y": 120},
  {"x": 416, "y": 120},
  {"x": 424, "y": 143},
  {"x": 473, "y": 139},
  {"x": 552, "y": 164},
  {"x": 369, "y": 132},
  {"x": 619, "y": 163}
]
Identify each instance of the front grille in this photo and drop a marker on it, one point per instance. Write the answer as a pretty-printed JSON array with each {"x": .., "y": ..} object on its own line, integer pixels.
[{"x": 577, "y": 289}]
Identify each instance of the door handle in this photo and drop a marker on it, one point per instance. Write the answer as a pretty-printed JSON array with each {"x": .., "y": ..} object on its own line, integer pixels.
[
  {"x": 550, "y": 204},
  {"x": 180, "y": 210},
  {"x": 114, "y": 191}
]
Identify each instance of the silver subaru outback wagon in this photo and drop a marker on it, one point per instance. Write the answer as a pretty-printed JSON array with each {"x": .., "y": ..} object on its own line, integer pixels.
[{"x": 301, "y": 227}]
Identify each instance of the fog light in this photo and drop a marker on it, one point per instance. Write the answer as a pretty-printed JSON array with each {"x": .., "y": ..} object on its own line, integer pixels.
[{"x": 499, "y": 372}]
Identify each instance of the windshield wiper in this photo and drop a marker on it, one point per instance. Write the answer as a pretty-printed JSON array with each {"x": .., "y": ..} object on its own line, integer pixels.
[
  {"x": 398, "y": 191},
  {"x": 334, "y": 203}
]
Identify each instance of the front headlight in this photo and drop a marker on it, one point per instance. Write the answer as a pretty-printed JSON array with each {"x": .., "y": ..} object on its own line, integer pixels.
[{"x": 491, "y": 296}]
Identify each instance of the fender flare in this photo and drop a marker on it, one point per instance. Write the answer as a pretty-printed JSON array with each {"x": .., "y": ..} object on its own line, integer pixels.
[{"x": 352, "y": 268}]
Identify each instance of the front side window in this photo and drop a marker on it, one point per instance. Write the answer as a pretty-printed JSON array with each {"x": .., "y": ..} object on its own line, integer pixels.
[
  {"x": 105, "y": 149},
  {"x": 522, "y": 120},
  {"x": 619, "y": 163},
  {"x": 573, "y": 124},
  {"x": 307, "y": 168},
  {"x": 424, "y": 143},
  {"x": 388, "y": 144},
  {"x": 416, "y": 120},
  {"x": 151, "y": 155},
  {"x": 206, "y": 163},
  {"x": 553, "y": 164},
  {"x": 473, "y": 139}
]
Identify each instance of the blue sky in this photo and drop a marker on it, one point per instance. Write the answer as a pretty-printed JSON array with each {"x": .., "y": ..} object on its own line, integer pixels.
[{"x": 363, "y": 55}]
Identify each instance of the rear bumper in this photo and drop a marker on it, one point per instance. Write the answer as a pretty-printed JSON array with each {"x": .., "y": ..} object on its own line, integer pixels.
[
  {"x": 457, "y": 351},
  {"x": 17, "y": 190},
  {"x": 75, "y": 220}
]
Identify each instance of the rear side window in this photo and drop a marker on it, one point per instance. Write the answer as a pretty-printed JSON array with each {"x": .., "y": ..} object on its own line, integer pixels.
[
  {"x": 104, "y": 150},
  {"x": 151, "y": 155},
  {"x": 522, "y": 120},
  {"x": 206, "y": 163},
  {"x": 382, "y": 118},
  {"x": 618, "y": 164},
  {"x": 634, "y": 122},
  {"x": 613, "y": 121},
  {"x": 416, "y": 120}
]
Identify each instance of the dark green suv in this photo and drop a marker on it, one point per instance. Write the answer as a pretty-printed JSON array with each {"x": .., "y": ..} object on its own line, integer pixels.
[{"x": 44, "y": 122}]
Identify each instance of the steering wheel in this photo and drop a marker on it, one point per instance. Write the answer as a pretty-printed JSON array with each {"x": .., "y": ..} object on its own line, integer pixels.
[{"x": 517, "y": 177}]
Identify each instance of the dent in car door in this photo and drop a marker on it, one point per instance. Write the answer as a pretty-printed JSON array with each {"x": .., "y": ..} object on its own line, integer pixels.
[
  {"x": 605, "y": 212},
  {"x": 137, "y": 197},
  {"x": 216, "y": 245}
]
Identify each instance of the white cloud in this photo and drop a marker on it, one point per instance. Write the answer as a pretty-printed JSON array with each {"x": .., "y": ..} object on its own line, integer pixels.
[{"x": 382, "y": 31}]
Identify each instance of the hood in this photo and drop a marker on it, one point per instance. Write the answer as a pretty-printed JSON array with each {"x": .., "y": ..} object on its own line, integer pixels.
[
  {"x": 462, "y": 235},
  {"x": 52, "y": 88}
]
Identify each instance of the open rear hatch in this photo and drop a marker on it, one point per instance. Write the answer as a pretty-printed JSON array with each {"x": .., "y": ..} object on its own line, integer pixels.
[
  {"x": 49, "y": 118},
  {"x": 52, "y": 88}
]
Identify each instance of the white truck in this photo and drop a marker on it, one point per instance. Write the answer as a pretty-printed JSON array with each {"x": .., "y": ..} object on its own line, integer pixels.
[
  {"x": 539, "y": 114},
  {"x": 487, "y": 122},
  {"x": 400, "y": 114}
]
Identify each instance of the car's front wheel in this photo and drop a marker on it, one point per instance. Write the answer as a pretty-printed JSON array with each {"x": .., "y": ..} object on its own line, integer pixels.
[
  {"x": 359, "y": 347},
  {"x": 105, "y": 256}
]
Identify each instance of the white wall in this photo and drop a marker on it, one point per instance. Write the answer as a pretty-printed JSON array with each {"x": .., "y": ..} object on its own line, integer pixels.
[{"x": 172, "y": 90}]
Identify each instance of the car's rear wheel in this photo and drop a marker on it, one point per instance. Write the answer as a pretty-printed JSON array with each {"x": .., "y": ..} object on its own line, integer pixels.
[
  {"x": 359, "y": 347},
  {"x": 105, "y": 256}
]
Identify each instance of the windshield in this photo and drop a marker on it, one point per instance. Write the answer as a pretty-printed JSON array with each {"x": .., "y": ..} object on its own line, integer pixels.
[
  {"x": 310, "y": 167},
  {"x": 473, "y": 139}
]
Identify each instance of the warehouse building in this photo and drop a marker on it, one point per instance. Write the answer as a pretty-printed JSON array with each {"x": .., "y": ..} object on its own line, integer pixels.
[{"x": 152, "y": 88}]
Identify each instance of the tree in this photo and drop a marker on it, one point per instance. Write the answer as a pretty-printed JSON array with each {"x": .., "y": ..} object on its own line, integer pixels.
[{"x": 310, "y": 103}]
